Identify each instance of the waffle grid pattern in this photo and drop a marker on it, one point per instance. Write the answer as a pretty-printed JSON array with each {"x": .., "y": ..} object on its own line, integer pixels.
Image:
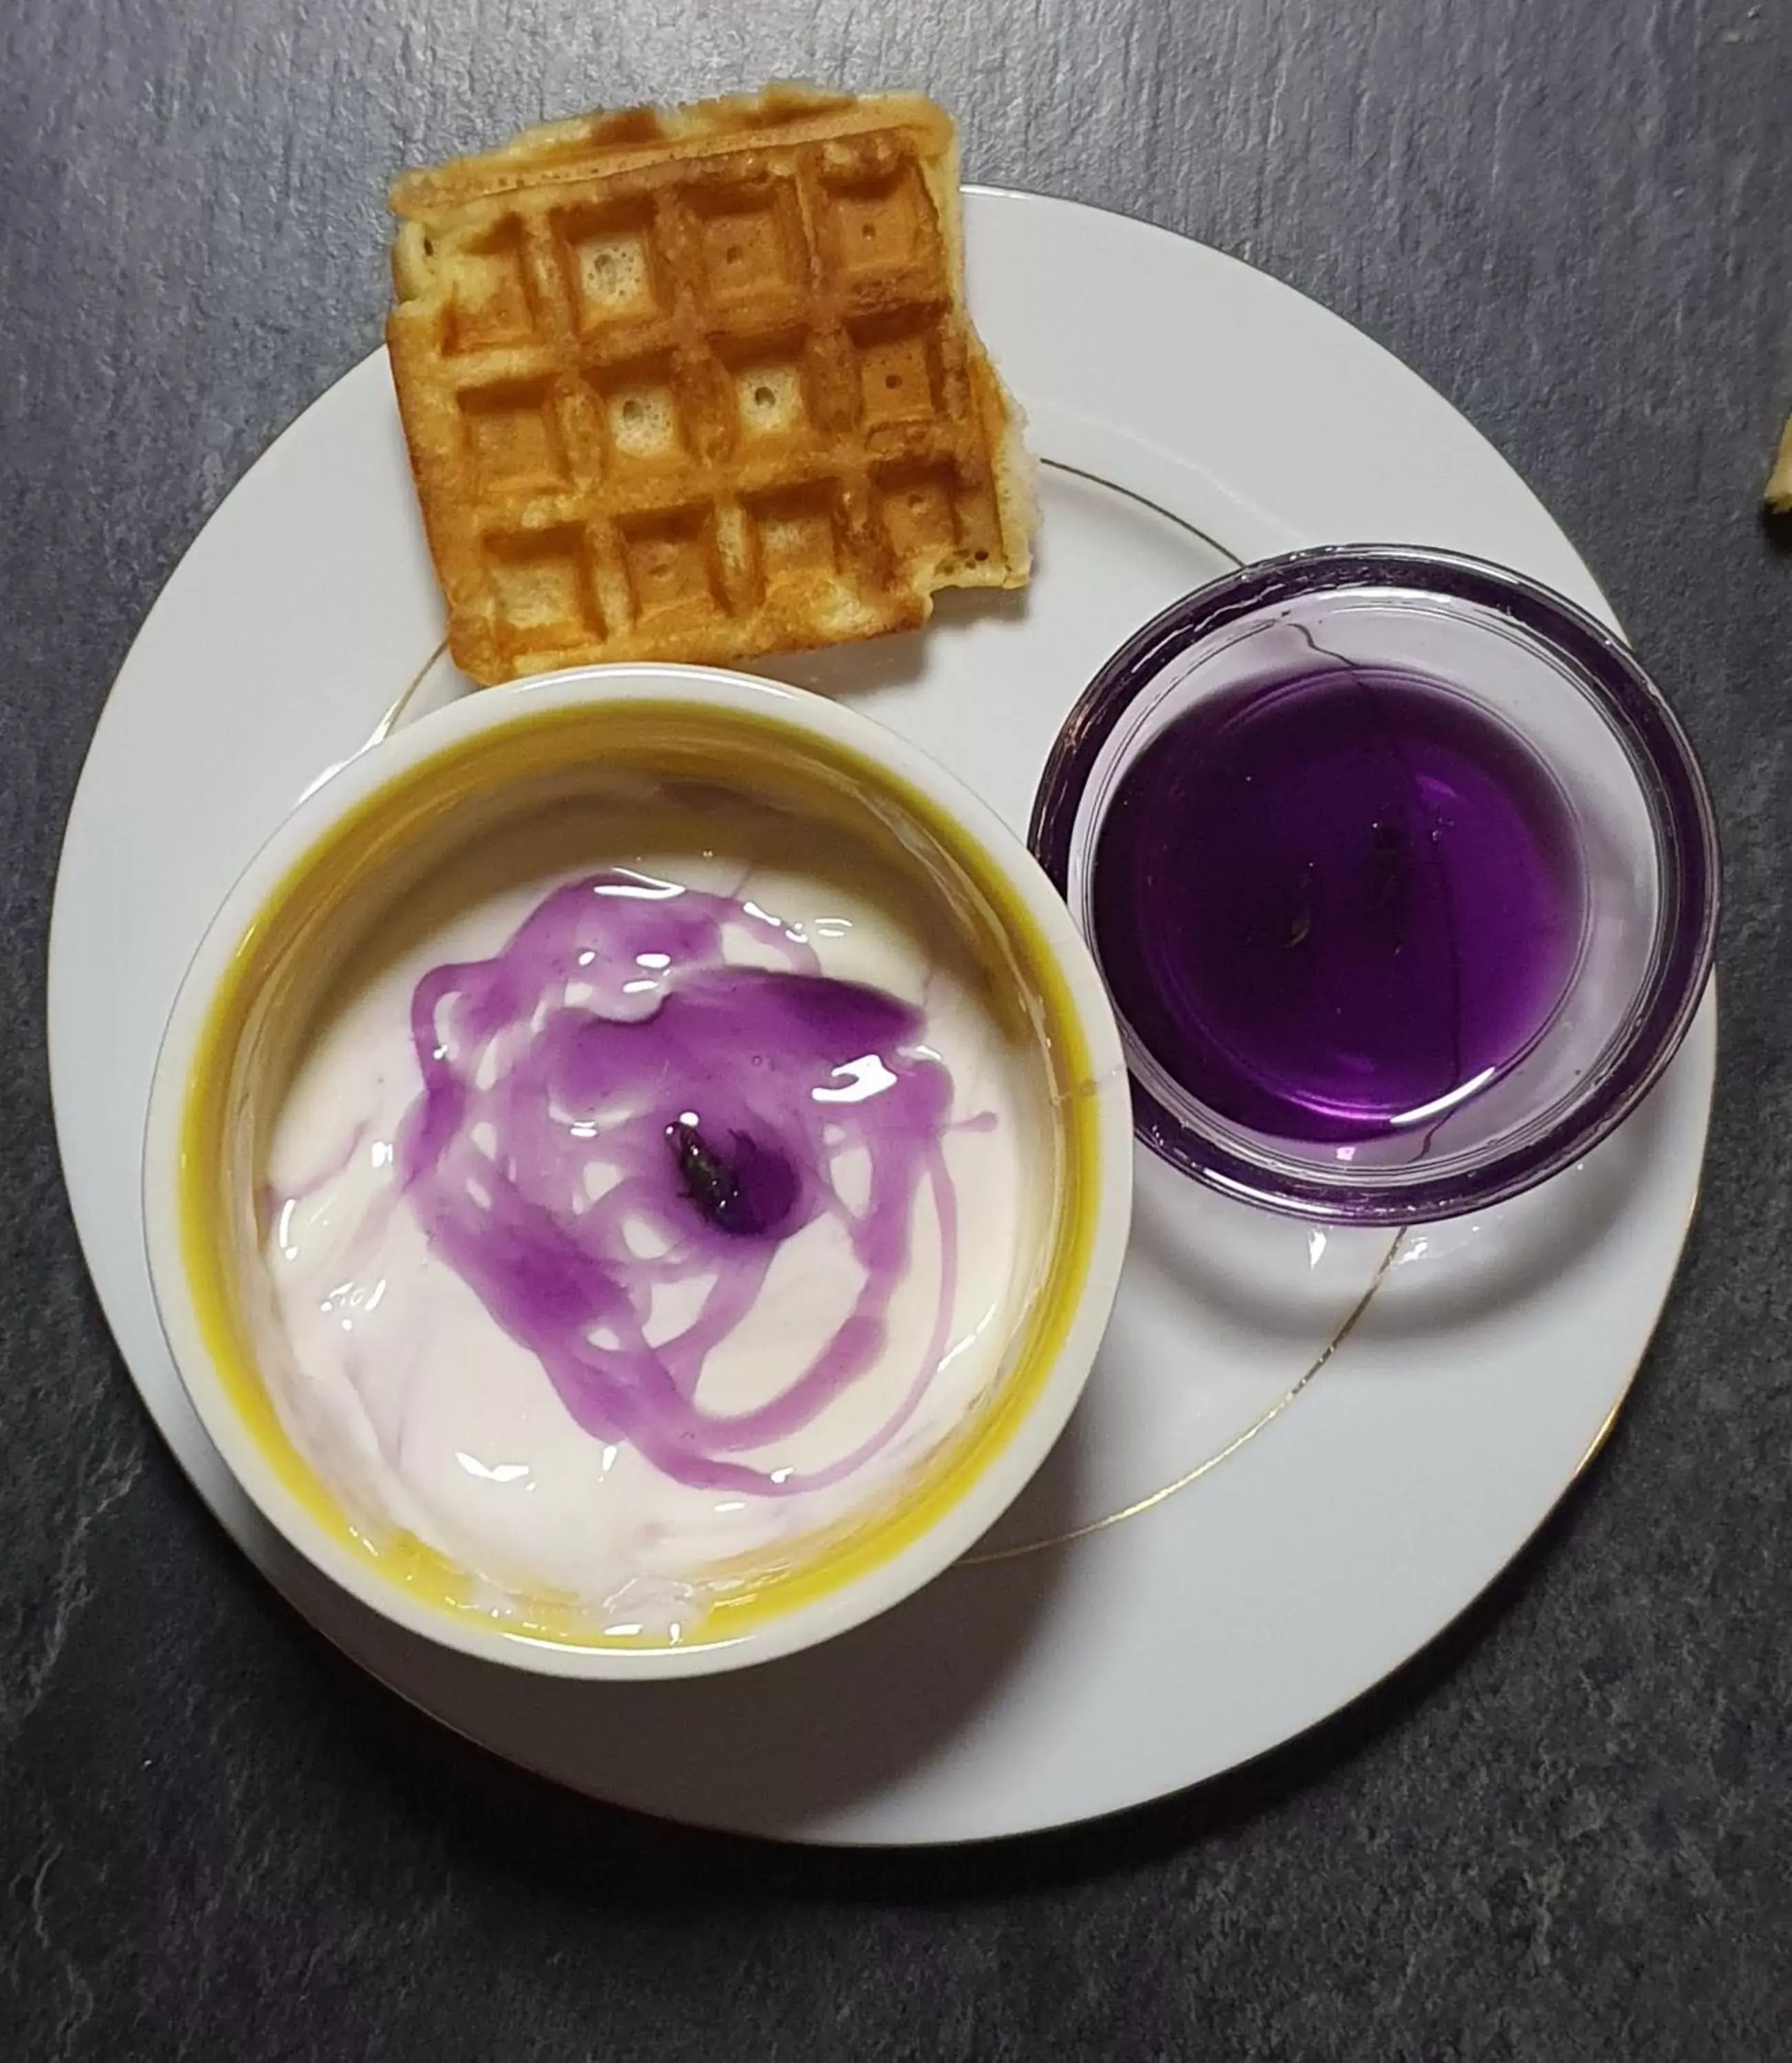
[{"x": 699, "y": 409}]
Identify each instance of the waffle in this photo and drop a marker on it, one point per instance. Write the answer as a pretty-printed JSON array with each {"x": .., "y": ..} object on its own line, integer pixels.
[
  {"x": 1777, "y": 494},
  {"x": 699, "y": 383}
]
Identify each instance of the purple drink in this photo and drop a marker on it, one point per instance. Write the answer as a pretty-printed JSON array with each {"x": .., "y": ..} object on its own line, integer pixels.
[{"x": 1336, "y": 905}]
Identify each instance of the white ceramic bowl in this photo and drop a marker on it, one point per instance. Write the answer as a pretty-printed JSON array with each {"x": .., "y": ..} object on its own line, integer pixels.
[{"x": 401, "y": 811}]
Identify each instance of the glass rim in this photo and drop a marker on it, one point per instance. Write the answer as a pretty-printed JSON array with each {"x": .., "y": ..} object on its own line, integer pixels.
[{"x": 1678, "y": 803}]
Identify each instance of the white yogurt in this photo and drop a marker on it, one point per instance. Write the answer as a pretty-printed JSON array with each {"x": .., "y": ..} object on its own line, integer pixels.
[{"x": 425, "y": 1414}]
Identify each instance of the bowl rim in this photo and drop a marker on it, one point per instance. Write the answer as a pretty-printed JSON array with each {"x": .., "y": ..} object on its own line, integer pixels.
[
  {"x": 975, "y": 833},
  {"x": 1668, "y": 773}
]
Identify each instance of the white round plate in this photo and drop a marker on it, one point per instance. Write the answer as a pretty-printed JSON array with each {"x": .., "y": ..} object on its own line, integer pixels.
[{"x": 1302, "y": 1452}]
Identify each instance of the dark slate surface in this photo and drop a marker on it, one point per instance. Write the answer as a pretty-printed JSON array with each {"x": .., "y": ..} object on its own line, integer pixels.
[{"x": 1567, "y": 1832}]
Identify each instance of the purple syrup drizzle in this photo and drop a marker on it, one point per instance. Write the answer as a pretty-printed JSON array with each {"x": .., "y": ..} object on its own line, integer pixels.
[
  {"x": 717, "y": 1096},
  {"x": 1336, "y": 903}
]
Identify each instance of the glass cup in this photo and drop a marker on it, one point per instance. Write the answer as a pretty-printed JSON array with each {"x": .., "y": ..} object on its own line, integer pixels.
[{"x": 1571, "y": 690}]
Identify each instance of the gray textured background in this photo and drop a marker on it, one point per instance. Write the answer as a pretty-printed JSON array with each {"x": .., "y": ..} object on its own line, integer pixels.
[{"x": 1564, "y": 1832}]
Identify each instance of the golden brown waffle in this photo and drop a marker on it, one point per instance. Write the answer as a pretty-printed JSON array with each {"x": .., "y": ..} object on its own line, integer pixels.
[{"x": 699, "y": 384}]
